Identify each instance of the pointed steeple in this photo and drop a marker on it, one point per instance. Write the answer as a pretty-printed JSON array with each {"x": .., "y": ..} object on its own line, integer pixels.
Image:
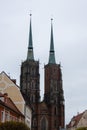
[
  {"x": 30, "y": 53},
  {"x": 52, "y": 52}
]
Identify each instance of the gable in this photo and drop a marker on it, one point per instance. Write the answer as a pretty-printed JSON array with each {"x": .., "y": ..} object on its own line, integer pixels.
[
  {"x": 83, "y": 120},
  {"x": 14, "y": 93},
  {"x": 8, "y": 86},
  {"x": 5, "y": 77}
]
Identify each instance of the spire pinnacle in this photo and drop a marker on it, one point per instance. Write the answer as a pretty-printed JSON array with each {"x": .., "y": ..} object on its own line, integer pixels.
[
  {"x": 52, "y": 52},
  {"x": 30, "y": 54}
]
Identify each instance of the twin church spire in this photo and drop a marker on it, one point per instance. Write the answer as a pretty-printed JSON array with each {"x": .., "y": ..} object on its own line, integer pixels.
[
  {"x": 30, "y": 53},
  {"x": 52, "y": 52}
]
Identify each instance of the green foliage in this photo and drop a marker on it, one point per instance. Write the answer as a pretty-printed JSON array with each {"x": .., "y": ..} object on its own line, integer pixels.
[
  {"x": 82, "y": 128},
  {"x": 13, "y": 126}
]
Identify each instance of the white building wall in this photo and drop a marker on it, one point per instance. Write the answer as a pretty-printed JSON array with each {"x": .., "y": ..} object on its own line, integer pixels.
[{"x": 28, "y": 116}]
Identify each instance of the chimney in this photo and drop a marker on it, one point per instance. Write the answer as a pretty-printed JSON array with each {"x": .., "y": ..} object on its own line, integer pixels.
[
  {"x": 14, "y": 81},
  {"x": 5, "y": 97}
]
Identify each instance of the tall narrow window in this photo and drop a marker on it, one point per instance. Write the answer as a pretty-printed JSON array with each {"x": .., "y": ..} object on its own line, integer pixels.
[
  {"x": 55, "y": 123},
  {"x": 34, "y": 122},
  {"x": 55, "y": 111},
  {"x": 44, "y": 124},
  {"x": 32, "y": 84},
  {"x": 6, "y": 116},
  {"x": 2, "y": 116},
  {"x": 33, "y": 98},
  {"x": 32, "y": 71}
]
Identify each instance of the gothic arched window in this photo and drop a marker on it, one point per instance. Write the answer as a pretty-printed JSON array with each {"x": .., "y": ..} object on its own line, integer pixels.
[
  {"x": 44, "y": 124},
  {"x": 34, "y": 123},
  {"x": 32, "y": 71},
  {"x": 33, "y": 84}
]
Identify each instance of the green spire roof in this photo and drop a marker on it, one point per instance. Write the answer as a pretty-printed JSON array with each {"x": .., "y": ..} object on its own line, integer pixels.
[
  {"x": 30, "y": 54},
  {"x": 52, "y": 52}
]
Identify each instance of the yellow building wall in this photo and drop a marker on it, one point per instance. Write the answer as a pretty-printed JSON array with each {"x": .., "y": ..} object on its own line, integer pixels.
[{"x": 7, "y": 86}]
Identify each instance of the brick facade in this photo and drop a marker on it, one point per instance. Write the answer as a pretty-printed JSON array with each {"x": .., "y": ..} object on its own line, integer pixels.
[{"x": 50, "y": 112}]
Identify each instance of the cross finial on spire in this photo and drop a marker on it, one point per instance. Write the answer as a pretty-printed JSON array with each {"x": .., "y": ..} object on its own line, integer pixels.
[
  {"x": 30, "y": 14},
  {"x": 51, "y": 19}
]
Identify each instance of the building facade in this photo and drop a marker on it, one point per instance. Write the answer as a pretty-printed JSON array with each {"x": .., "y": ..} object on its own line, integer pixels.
[
  {"x": 8, "y": 110},
  {"x": 48, "y": 114},
  {"x": 8, "y": 85}
]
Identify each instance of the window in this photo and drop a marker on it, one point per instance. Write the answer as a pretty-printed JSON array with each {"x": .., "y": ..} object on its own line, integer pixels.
[
  {"x": 32, "y": 71},
  {"x": 2, "y": 116},
  {"x": 32, "y": 98},
  {"x": 34, "y": 122},
  {"x": 28, "y": 85},
  {"x": 56, "y": 100},
  {"x": 55, "y": 123},
  {"x": 55, "y": 111},
  {"x": 32, "y": 84},
  {"x": 6, "y": 116},
  {"x": 44, "y": 124},
  {"x": 10, "y": 118}
]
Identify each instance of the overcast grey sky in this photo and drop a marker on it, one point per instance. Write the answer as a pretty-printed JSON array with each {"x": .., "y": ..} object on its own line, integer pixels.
[{"x": 70, "y": 39}]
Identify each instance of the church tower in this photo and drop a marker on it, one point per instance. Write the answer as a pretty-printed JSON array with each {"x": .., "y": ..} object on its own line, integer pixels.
[
  {"x": 47, "y": 114},
  {"x": 30, "y": 78},
  {"x": 53, "y": 95}
]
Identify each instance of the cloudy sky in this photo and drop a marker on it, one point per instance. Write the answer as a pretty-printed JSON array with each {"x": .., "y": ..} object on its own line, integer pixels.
[{"x": 70, "y": 39}]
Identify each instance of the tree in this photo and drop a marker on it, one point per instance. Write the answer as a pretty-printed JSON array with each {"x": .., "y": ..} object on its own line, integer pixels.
[
  {"x": 82, "y": 128},
  {"x": 13, "y": 126}
]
